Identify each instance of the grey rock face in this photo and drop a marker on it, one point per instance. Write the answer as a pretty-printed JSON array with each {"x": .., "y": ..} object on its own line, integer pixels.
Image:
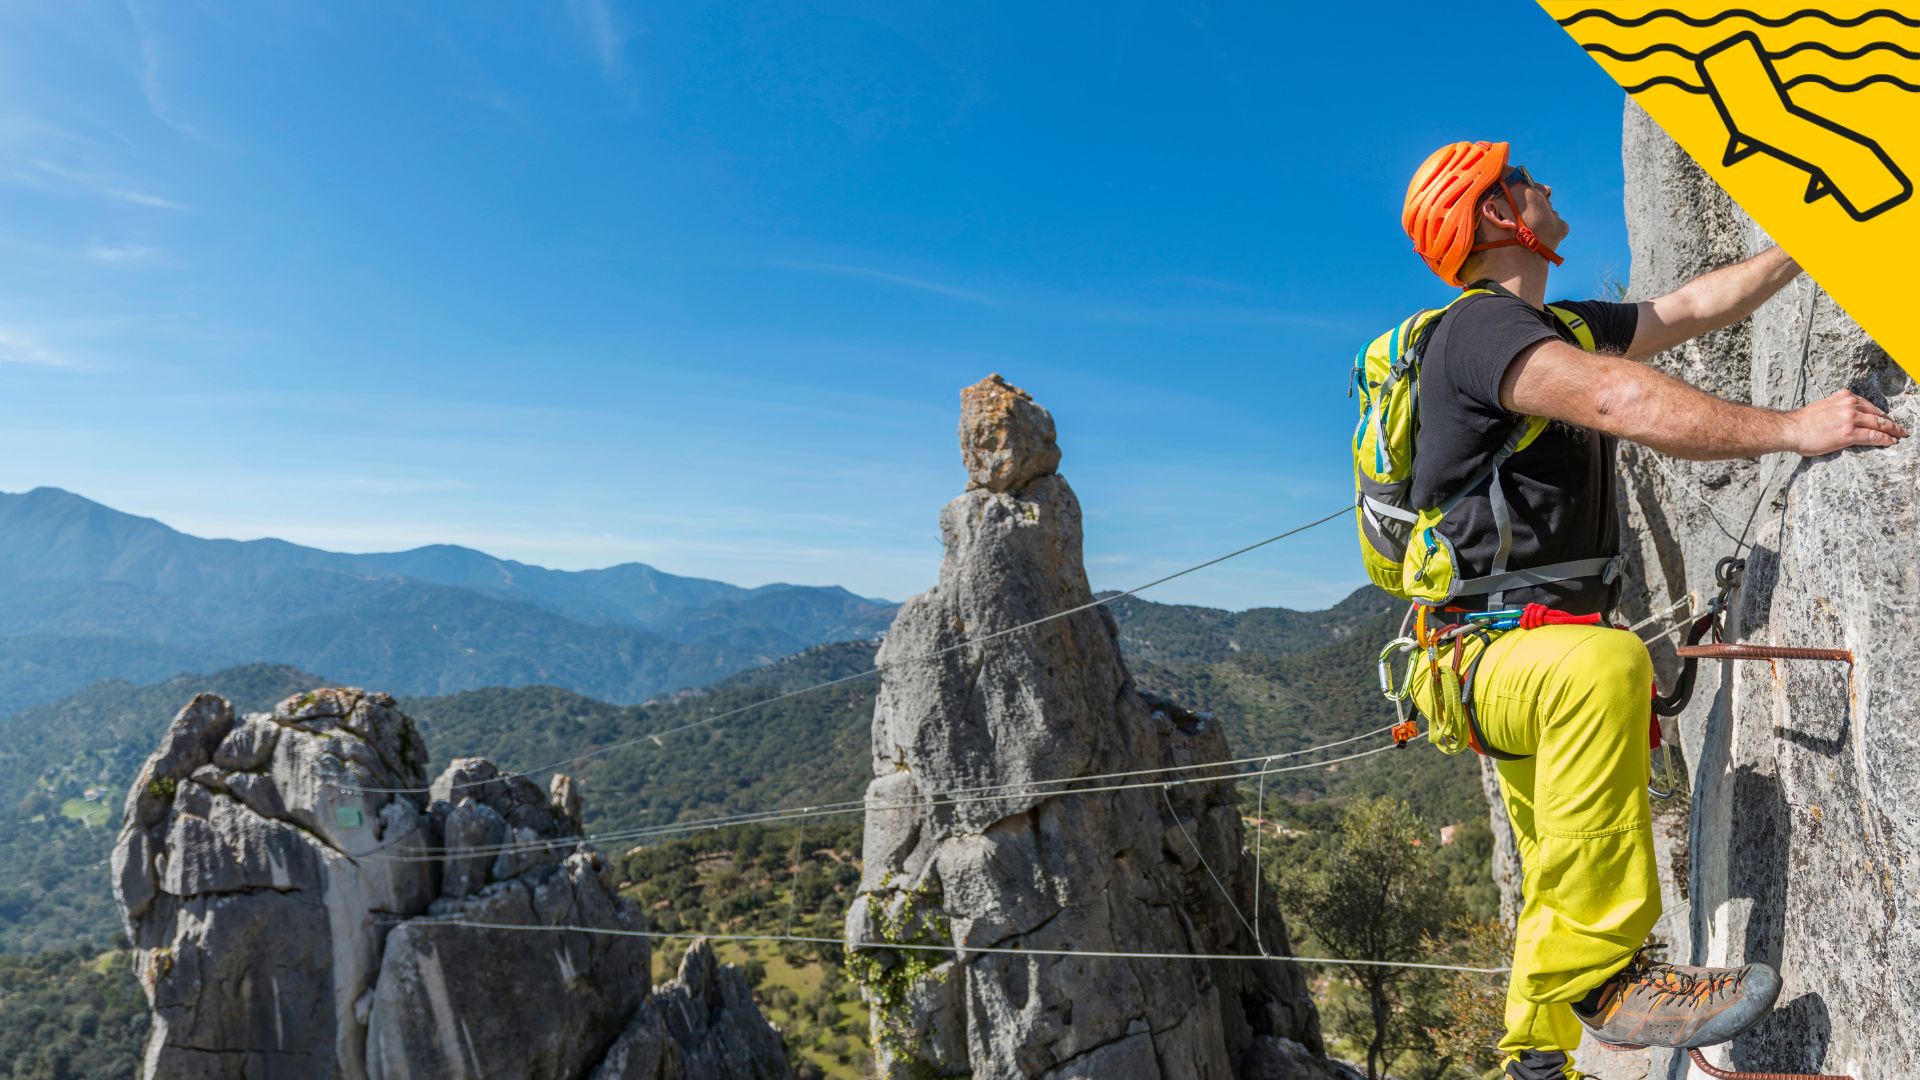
[
  {"x": 251, "y": 929},
  {"x": 1029, "y": 869},
  {"x": 701, "y": 1026},
  {"x": 1506, "y": 847},
  {"x": 1804, "y": 845},
  {"x": 292, "y": 920},
  {"x": 1284, "y": 1059},
  {"x": 480, "y": 1001}
]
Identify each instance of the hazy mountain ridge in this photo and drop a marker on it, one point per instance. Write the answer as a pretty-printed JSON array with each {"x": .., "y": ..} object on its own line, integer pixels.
[{"x": 89, "y": 593}]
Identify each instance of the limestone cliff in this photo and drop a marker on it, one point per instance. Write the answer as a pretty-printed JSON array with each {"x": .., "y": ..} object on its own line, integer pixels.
[
  {"x": 292, "y": 920},
  {"x": 1804, "y": 840},
  {"x": 1047, "y": 871}
]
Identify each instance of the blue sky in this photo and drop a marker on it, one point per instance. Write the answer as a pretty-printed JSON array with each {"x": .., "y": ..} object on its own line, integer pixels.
[{"x": 697, "y": 285}]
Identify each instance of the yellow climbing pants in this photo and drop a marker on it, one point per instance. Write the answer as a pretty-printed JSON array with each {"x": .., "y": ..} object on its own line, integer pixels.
[{"x": 1575, "y": 700}]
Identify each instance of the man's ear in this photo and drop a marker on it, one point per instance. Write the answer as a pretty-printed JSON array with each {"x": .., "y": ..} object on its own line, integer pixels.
[{"x": 1495, "y": 212}]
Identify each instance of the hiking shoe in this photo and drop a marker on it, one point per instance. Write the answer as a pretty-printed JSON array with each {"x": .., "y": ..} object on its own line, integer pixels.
[
  {"x": 1540, "y": 1065},
  {"x": 1653, "y": 1003}
]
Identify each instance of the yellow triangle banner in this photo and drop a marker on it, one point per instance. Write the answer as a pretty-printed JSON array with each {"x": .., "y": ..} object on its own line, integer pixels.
[{"x": 1809, "y": 117}]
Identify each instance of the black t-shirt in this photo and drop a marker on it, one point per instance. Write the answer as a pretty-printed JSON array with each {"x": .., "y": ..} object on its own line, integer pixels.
[{"x": 1560, "y": 489}]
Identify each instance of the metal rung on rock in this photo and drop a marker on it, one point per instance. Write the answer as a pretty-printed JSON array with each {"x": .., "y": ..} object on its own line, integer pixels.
[
  {"x": 1730, "y": 651},
  {"x": 1705, "y": 1066},
  {"x": 1700, "y": 1062}
]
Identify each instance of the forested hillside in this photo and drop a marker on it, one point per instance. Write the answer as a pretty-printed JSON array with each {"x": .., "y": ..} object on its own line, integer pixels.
[
  {"x": 66, "y": 767},
  {"x": 1279, "y": 680},
  {"x": 70, "y": 1015}
]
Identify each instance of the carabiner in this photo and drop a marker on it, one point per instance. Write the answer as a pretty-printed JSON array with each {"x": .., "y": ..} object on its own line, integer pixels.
[{"x": 1387, "y": 687}]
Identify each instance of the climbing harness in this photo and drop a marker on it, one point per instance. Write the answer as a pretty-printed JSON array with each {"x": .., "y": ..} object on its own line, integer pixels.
[
  {"x": 1452, "y": 662},
  {"x": 1453, "y": 653}
]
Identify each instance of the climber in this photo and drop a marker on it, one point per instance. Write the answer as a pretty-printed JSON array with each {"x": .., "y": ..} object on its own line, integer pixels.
[{"x": 1564, "y": 708}]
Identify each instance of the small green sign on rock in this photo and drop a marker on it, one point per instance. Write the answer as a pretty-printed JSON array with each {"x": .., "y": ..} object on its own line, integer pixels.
[{"x": 348, "y": 817}]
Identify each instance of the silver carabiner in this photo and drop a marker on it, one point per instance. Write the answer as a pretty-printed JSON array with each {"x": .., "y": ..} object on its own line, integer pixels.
[{"x": 1387, "y": 687}]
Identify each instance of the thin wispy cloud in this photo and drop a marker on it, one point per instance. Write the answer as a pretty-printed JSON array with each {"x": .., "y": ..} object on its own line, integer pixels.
[
  {"x": 141, "y": 198},
  {"x": 885, "y": 277},
  {"x": 604, "y": 32},
  {"x": 22, "y": 129},
  {"x": 153, "y": 62},
  {"x": 123, "y": 253},
  {"x": 17, "y": 347},
  {"x": 105, "y": 187}
]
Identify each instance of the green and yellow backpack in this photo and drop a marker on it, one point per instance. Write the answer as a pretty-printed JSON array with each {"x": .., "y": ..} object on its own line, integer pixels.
[{"x": 1402, "y": 545}]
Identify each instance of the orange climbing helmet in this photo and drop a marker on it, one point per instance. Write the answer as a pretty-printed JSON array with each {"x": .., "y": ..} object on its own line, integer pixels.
[{"x": 1442, "y": 210}]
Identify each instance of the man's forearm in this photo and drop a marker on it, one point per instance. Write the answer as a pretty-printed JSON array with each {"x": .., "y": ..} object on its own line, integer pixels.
[
  {"x": 1635, "y": 402},
  {"x": 1640, "y": 404},
  {"x": 1712, "y": 301},
  {"x": 1731, "y": 293},
  {"x": 1650, "y": 407}
]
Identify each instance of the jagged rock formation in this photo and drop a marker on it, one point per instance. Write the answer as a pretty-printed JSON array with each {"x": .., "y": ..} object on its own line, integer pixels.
[
  {"x": 703, "y": 1023},
  {"x": 1107, "y": 871},
  {"x": 1804, "y": 844},
  {"x": 292, "y": 920}
]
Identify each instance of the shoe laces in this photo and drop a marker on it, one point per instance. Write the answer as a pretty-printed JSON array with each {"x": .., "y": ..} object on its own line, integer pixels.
[{"x": 1668, "y": 981}]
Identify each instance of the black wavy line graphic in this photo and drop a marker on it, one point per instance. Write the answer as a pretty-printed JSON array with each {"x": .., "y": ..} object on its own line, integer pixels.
[
  {"x": 1682, "y": 84},
  {"x": 1666, "y": 80},
  {"x": 1738, "y": 13},
  {"x": 1781, "y": 54},
  {"x": 1868, "y": 81}
]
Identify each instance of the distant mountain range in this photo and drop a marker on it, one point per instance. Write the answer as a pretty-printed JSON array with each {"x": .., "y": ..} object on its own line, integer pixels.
[{"x": 89, "y": 593}]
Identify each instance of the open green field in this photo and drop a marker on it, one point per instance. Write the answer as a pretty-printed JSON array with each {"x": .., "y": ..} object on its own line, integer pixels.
[
  {"x": 800, "y": 997},
  {"x": 94, "y": 814},
  {"x": 755, "y": 880}
]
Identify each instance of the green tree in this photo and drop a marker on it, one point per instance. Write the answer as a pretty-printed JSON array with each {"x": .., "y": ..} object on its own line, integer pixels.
[
  {"x": 37, "y": 802},
  {"x": 1376, "y": 891},
  {"x": 1472, "y": 1013}
]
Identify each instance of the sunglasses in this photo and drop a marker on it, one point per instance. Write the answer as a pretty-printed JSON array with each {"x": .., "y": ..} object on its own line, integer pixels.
[{"x": 1518, "y": 174}]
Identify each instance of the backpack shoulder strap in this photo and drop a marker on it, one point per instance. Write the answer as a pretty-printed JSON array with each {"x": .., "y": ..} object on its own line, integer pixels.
[
  {"x": 1582, "y": 333},
  {"x": 1419, "y": 327}
]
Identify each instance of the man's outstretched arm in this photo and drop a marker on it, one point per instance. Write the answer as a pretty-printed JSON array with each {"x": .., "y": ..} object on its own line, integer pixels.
[
  {"x": 1709, "y": 302},
  {"x": 1647, "y": 406}
]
